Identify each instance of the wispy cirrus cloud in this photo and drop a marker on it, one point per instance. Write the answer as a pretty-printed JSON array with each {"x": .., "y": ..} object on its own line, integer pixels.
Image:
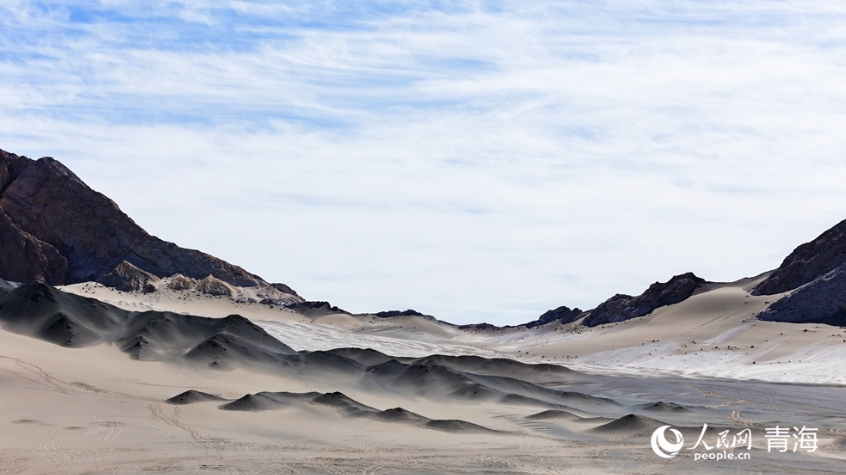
[{"x": 475, "y": 161}]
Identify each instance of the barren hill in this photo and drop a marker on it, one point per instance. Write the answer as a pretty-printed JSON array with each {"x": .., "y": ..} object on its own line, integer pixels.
[{"x": 57, "y": 230}]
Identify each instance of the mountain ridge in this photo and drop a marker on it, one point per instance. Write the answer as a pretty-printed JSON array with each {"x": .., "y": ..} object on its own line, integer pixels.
[{"x": 57, "y": 230}]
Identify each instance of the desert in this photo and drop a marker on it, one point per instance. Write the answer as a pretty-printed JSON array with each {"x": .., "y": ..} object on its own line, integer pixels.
[{"x": 123, "y": 353}]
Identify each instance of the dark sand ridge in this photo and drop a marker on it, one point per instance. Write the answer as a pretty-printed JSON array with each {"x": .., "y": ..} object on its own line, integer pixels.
[
  {"x": 69, "y": 320},
  {"x": 346, "y": 406},
  {"x": 613, "y": 414}
]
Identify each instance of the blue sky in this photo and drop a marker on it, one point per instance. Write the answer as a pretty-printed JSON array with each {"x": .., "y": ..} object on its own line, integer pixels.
[{"x": 472, "y": 160}]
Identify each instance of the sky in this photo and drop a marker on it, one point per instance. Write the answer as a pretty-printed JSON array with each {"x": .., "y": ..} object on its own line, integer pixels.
[{"x": 476, "y": 161}]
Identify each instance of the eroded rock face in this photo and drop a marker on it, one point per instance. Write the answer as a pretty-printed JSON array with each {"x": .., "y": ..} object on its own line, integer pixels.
[
  {"x": 807, "y": 262},
  {"x": 315, "y": 309},
  {"x": 128, "y": 278},
  {"x": 624, "y": 307},
  {"x": 561, "y": 314},
  {"x": 404, "y": 313},
  {"x": 24, "y": 258},
  {"x": 823, "y": 300},
  {"x": 180, "y": 282},
  {"x": 212, "y": 286},
  {"x": 55, "y": 229},
  {"x": 479, "y": 327},
  {"x": 284, "y": 289}
]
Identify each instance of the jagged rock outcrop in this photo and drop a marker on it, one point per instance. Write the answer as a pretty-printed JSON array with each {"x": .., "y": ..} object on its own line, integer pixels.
[
  {"x": 823, "y": 300},
  {"x": 483, "y": 327},
  {"x": 180, "y": 282},
  {"x": 274, "y": 295},
  {"x": 23, "y": 258},
  {"x": 624, "y": 307},
  {"x": 277, "y": 302},
  {"x": 561, "y": 314},
  {"x": 128, "y": 278},
  {"x": 284, "y": 289},
  {"x": 404, "y": 313},
  {"x": 807, "y": 262},
  {"x": 315, "y": 309},
  {"x": 212, "y": 286},
  {"x": 57, "y": 230}
]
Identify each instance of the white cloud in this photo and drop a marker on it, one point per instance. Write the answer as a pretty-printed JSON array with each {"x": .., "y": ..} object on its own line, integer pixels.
[{"x": 469, "y": 163}]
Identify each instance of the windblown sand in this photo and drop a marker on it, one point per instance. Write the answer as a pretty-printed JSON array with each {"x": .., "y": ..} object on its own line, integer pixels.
[
  {"x": 713, "y": 333},
  {"x": 95, "y": 410}
]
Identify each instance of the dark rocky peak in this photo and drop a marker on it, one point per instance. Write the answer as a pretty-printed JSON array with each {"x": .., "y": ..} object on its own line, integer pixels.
[
  {"x": 404, "y": 313},
  {"x": 399, "y": 313},
  {"x": 807, "y": 262},
  {"x": 55, "y": 229},
  {"x": 11, "y": 166},
  {"x": 315, "y": 309},
  {"x": 624, "y": 307},
  {"x": 823, "y": 300},
  {"x": 284, "y": 289},
  {"x": 56, "y": 167},
  {"x": 561, "y": 314},
  {"x": 482, "y": 327}
]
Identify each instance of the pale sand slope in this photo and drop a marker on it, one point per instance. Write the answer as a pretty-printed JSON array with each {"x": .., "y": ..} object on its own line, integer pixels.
[
  {"x": 95, "y": 410},
  {"x": 713, "y": 333}
]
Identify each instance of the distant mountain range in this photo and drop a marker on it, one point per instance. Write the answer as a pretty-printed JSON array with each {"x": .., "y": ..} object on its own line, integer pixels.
[
  {"x": 812, "y": 279},
  {"x": 56, "y": 230}
]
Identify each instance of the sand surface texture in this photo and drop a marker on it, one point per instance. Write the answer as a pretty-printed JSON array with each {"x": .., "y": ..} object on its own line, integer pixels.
[{"x": 359, "y": 394}]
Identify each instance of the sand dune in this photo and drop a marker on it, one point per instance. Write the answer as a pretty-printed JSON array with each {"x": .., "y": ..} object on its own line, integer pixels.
[
  {"x": 631, "y": 424},
  {"x": 69, "y": 320},
  {"x": 713, "y": 333},
  {"x": 552, "y": 414},
  {"x": 267, "y": 401},
  {"x": 191, "y": 397},
  {"x": 295, "y": 392},
  {"x": 118, "y": 413},
  {"x": 662, "y": 406},
  {"x": 346, "y": 406},
  {"x": 266, "y": 382}
]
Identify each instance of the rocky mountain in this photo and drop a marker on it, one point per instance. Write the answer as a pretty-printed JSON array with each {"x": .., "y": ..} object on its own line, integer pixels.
[
  {"x": 315, "y": 309},
  {"x": 813, "y": 277},
  {"x": 404, "y": 313},
  {"x": 624, "y": 307},
  {"x": 814, "y": 274},
  {"x": 561, "y": 314},
  {"x": 54, "y": 229},
  {"x": 57, "y": 230},
  {"x": 822, "y": 300},
  {"x": 807, "y": 262}
]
